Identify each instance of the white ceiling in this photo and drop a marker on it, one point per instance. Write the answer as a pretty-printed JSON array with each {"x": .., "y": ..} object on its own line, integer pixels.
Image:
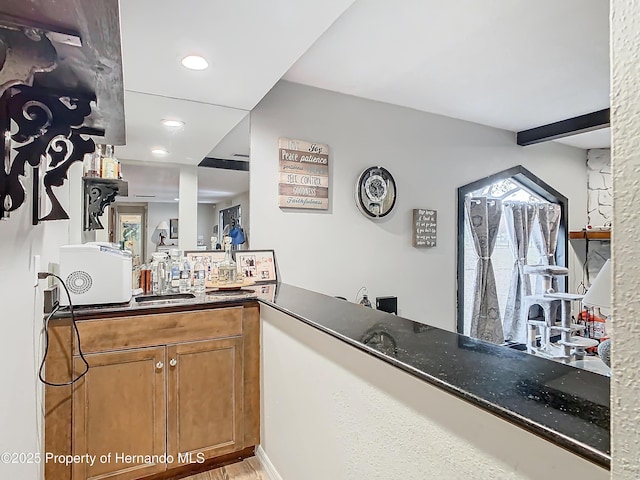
[
  {"x": 596, "y": 139},
  {"x": 510, "y": 64},
  {"x": 205, "y": 125},
  {"x": 160, "y": 183},
  {"x": 249, "y": 45},
  {"x": 235, "y": 143}
]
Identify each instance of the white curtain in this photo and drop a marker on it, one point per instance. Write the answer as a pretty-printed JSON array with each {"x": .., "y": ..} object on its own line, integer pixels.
[
  {"x": 483, "y": 218},
  {"x": 546, "y": 240},
  {"x": 519, "y": 220}
]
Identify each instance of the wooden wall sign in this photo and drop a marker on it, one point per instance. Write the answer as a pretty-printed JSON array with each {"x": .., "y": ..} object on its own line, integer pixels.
[
  {"x": 304, "y": 174},
  {"x": 424, "y": 227}
]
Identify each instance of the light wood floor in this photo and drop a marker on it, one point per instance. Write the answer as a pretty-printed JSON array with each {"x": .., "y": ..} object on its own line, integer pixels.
[{"x": 248, "y": 469}]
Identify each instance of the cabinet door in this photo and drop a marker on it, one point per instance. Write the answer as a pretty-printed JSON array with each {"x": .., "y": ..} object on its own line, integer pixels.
[
  {"x": 205, "y": 399},
  {"x": 119, "y": 409}
]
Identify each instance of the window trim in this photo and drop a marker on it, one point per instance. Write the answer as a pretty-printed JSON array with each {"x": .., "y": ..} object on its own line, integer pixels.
[{"x": 530, "y": 182}]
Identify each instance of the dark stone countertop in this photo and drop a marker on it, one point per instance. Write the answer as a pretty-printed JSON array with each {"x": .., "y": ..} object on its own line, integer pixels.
[
  {"x": 566, "y": 405},
  {"x": 204, "y": 301}
]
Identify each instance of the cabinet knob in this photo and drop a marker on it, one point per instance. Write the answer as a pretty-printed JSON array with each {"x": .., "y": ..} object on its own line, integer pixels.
[
  {"x": 159, "y": 365},
  {"x": 173, "y": 362}
]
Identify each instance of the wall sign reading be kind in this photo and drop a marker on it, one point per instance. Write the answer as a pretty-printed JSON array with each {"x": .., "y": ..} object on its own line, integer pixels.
[{"x": 304, "y": 174}]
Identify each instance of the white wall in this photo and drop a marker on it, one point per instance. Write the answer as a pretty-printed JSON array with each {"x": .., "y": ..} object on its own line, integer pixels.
[
  {"x": 625, "y": 103},
  {"x": 157, "y": 212},
  {"x": 21, "y": 420},
  {"x": 206, "y": 220},
  {"x": 337, "y": 413},
  {"x": 430, "y": 156},
  {"x": 188, "y": 208}
]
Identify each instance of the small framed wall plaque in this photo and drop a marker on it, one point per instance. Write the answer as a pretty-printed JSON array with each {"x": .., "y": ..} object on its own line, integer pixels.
[
  {"x": 424, "y": 227},
  {"x": 304, "y": 174}
]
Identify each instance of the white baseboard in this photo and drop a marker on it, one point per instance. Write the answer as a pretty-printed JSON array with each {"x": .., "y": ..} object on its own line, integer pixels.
[{"x": 270, "y": 470}]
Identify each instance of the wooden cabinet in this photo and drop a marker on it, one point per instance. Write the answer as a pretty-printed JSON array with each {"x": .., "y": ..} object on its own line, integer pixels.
[
  {"x": 163, "y": 391},
  {"x": 119, "y": 407},
  {"x": 205, "y": 398}
]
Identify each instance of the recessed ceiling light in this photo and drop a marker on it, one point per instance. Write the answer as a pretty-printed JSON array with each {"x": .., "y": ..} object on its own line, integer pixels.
[
  {"x": 194, "y": 62},
  {"x": 177, "y": 199},
  {"x": 159, "y": 151},
  {"x": 171, "y": 123}
]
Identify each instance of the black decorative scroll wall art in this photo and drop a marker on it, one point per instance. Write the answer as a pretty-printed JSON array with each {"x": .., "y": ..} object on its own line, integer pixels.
[
  {"x": 48, "y": 139},
  {"x": 98, "y": 193}
]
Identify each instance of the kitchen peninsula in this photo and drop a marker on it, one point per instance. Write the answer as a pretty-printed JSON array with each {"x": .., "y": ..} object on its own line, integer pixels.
[{"x": 566, "y": 406}]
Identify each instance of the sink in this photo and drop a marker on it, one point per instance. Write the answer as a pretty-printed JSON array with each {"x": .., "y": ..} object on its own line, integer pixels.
[
  {"x": 169, "y": 296},
  {"x": 231, "y": 293}
]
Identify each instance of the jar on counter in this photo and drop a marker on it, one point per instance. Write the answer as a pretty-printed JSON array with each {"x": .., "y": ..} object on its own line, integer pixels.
[{"x": 109, "y": 164}]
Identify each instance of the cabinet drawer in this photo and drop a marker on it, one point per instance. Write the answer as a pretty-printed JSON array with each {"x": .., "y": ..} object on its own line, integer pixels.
[{"x": 148, "y": 330}]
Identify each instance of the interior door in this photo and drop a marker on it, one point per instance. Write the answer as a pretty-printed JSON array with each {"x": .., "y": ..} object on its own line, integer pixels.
[
  {"x": 119, "y": 408},
  {"x": 205, "y": 399},
  {"x": 130, "y": 228}
]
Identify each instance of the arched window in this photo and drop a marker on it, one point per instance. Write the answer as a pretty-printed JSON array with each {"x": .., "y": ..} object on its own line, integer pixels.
[{"x": 505, "y": 221}]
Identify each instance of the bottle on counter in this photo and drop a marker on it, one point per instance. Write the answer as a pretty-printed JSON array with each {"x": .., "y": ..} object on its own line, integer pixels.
[
  {"x": 185, "y": 276},
  {"x": 118, "y": 165},
  {"x": 92, "y": 166},
  {"x": 199, "y": 274},
  {"x": 158, "y": 273},
  {"x": 175, "y": 270},
  {"x": 109, "y": 164},
  {"x": 145, "y": 279},
  {"x": 227, "y": 270}
]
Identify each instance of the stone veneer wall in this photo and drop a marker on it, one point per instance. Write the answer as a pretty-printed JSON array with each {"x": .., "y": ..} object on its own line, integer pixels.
[
  {"x": 599, "y": 187},
  {"x": 599, "y": 206}
]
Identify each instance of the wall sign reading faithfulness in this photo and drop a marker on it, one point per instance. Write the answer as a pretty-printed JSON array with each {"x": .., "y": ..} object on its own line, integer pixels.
[
  {"x": 424, "y": 227},
  {"x": 304, "y": 174}
]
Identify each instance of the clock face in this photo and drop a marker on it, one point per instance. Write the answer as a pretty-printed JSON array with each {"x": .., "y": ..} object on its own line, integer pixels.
[{"x": 375, "y": 192}]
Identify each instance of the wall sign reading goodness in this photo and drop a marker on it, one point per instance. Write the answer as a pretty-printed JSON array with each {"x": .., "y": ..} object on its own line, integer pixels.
[{"x": 304, "y": 174}]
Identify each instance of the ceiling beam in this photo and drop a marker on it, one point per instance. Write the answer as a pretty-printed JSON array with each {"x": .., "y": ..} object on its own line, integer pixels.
[
  {"x": 564, "y": 128},
  {"x": 211, "y": 162}
]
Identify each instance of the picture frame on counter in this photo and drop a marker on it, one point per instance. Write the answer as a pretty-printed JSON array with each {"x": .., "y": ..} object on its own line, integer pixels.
[
  {"x": 258, "y": 265},
  {"x": 210, "y": 258}
]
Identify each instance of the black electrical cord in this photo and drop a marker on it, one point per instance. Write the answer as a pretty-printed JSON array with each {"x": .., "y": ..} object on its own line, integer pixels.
[{"x": 46, "y": 338}]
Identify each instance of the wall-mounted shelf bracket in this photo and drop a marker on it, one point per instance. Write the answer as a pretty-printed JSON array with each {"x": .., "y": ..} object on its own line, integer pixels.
[
  {"x": 48, "y": 138},
  {"x": 98, "y": 193}
]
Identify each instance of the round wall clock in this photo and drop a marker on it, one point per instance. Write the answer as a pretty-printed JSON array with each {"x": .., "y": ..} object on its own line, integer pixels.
[{"x": 375, "y": 192}]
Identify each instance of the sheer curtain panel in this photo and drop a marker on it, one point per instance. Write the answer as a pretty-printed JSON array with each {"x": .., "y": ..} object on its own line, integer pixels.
[{"x": 483, "y": 218}]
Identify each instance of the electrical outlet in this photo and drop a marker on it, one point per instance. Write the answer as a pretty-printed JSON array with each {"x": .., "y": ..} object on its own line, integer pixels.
[
  {"x": 36, "y": 269},
  {"x": 51, "y": 298}
]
